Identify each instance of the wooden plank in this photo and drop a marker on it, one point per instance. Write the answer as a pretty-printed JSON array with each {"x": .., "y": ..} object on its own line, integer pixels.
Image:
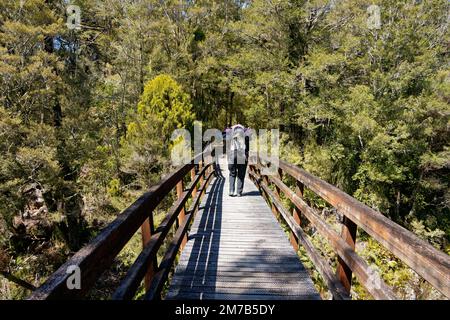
[
  {"x": 247, "y": 232},
  {"x": 256, "y": 245},
  {"x": 241, "y": 221},
  {"x": 241, "y": 259},
  {"x": 295, "y": 266},
  {"x": 269, "y": 292},
  {"x": 216, "y": 237},
  {"x": 255, "y": 286},
  {"x": 233, "y": 252},
  {"x": 245, "y": 277},
  {"x": 232, "y": 242},
  {"x": 235, "y": 282},
  {"x": 228, "y": 296},
  {"x": 241, "y": 274},
  {"x": 244, "y": 226}
]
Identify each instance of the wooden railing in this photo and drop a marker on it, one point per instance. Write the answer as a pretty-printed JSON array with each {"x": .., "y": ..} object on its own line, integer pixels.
[
  {"x": 428, "y": 262},
  {"x": 99, "y": 254}
]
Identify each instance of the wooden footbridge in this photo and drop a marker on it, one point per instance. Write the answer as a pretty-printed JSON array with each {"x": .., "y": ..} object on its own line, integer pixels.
[
  {"x": 218, "y": 247},
  {"x": 236, "y": 249}
]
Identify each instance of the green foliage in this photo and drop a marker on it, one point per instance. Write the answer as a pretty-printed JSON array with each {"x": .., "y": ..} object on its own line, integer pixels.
[
  {"x": 364, "y": 109},
  {"x": 114, "y": 187},
  {"x": 163, "y": 105},
  {"x": 146, "y": 147}
]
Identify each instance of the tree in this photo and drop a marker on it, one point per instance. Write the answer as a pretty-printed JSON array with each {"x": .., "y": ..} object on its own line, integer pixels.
[
  {"x": 163, "y": 107},
  {"x": 86, "y": 115}
]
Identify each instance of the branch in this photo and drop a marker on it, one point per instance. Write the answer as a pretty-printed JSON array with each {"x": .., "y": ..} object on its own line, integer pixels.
[{"x": 17, "y": 281}]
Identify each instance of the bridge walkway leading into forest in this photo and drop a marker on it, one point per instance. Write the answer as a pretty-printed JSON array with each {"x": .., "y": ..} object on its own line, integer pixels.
[
  {"x": 236, "y": 249},
  {"x": 212, "y": 246}
]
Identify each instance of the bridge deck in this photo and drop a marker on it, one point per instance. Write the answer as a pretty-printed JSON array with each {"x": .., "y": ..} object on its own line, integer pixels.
[{"x": 236, "y": 249}]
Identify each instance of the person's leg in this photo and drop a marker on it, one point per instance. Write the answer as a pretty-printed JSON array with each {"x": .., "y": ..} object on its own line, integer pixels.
[
  {"x": 233, "y": 172},
  {"x": 241, "y": 178}
]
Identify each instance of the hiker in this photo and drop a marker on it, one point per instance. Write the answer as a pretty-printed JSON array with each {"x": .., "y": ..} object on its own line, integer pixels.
[{"x": 238, "y": 146}]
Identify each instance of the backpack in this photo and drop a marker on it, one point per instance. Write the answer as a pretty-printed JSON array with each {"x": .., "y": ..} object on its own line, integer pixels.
[{"x": 238, "y": 142}]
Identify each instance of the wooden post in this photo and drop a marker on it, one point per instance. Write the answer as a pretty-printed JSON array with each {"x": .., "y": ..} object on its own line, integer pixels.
[
  {"x": 207, "y": 172},
  {"x": 267, "y": 197},
  {"x": 299, "y": 189},
  {"x": 252, "y": 170},
  {"x": 194, "y": 191},
  {"x": 277, "y": 189},
  {"x": 259, "y": 176},
  {"x": 147, "y": 229},
  {"x": 200, "y": 167},
  {"x": 182, "y": 214},
  {"x": 344, "y": 272},
  {"x": 277, "y": 194}
]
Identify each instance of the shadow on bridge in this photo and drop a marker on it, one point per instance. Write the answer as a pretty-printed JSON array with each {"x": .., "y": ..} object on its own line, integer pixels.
[
  {"x": 237, "y": 250},
  {"x": 207, "y": 237}
]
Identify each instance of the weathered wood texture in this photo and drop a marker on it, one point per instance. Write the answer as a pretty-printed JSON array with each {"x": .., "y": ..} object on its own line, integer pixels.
[
  {"x": 338, "y": 291},
  {"x": 428, "y": 262},
  {"x": 99, "y": 254},
  {"x": 237, "y": 250},
  {"x": 129, "y": 285}
]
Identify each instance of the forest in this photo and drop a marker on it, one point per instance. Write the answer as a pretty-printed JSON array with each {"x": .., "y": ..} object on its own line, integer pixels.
[{"x": 89, "y": 99}]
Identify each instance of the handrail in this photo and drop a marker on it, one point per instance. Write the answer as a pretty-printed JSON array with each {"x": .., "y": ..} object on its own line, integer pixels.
[
  {"x": 430, "y": 263},
  {"x": 154, "y": 291},
  {"x": 129, "y": 285},
  {"x": 324, "y": 268},
  {"x": 99, "y": 254}
]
